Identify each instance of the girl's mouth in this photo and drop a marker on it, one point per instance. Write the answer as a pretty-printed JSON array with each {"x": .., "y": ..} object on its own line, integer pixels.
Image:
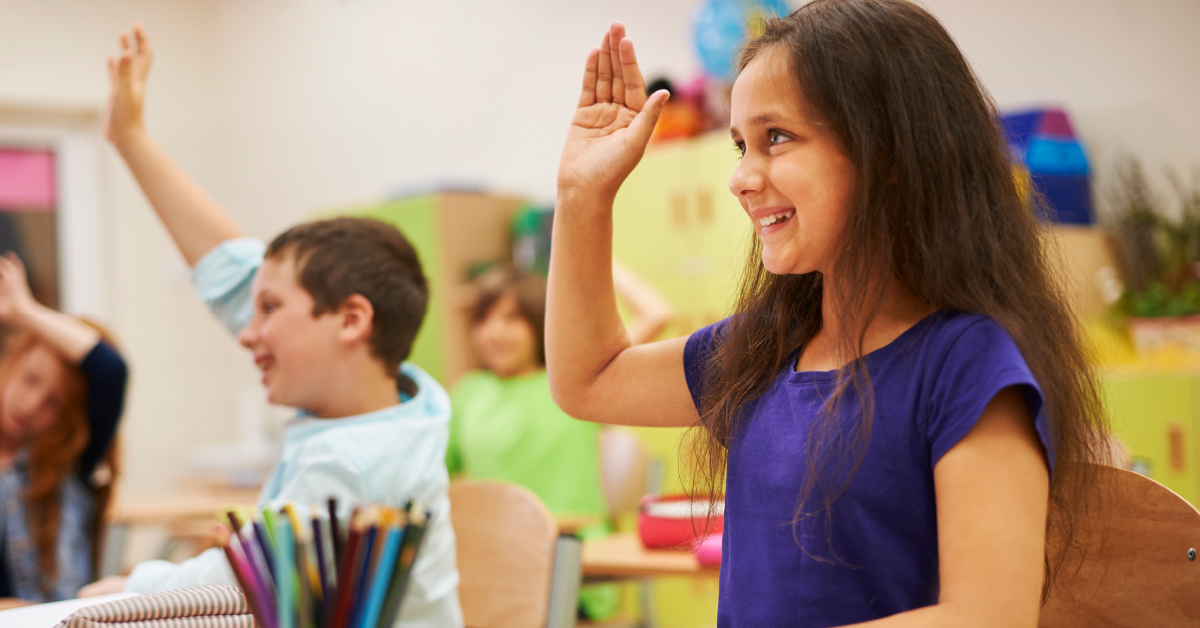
[{"x": 775, "y": 219}]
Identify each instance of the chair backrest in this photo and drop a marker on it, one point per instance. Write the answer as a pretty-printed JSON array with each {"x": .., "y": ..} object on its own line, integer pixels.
[
  {"x": 506, "y": 540},
  {"x": 1140, "y": 566}
]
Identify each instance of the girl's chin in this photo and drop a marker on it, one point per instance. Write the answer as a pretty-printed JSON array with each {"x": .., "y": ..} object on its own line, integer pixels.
[{"x": 783, "y": 265}]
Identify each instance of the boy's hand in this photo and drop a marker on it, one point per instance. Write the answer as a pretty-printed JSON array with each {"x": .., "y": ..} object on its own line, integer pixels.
[
  {"x": 127, "y": 73},
  {"x": 15, "y": 299},
  {"x": 105, "y": 586},
  {"x": 613, "y": 122}
]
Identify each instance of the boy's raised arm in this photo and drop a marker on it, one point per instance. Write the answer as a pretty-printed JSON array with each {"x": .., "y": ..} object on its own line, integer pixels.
[{"x": 195, "y": 221}]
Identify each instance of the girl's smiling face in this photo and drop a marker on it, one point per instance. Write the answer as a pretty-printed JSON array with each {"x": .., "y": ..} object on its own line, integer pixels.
[
  {"x": 33, "y": 396},
  {"x": 793, "y": 181}
]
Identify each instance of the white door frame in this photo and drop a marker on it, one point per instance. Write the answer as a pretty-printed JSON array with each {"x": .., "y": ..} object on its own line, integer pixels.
[{"x": 75, "y": 137}]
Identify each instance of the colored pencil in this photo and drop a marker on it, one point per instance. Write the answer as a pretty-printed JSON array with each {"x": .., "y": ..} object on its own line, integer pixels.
[
  {"x": 285, "y": 589},
  {"x": 335, "y": 535},
  {"x": 373, "y": 605},
  {"x": 414, "y": 532},
  {"x": 363, "y": 572},
  {"x": 240, "y": 571},
  {"x": 319, "y": 547},
  {"x": 345, "y": 573},
  {"x": 254, "y": 572},
  {"x": 264, "y": 544}
]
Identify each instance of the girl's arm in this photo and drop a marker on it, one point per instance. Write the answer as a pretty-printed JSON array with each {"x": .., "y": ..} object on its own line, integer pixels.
[
  {"x": 595, "y": 372},
  {"x": 69, "y": 337},
  {"x": 79, "y": 345},
  {"x": 992, "y": 490},
  {"x": 195, "y": 221},
  {"x": 651, "y": 312}
]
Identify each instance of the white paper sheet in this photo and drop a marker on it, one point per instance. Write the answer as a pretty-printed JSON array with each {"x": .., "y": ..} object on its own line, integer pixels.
[{"x": 48, "y": 615}]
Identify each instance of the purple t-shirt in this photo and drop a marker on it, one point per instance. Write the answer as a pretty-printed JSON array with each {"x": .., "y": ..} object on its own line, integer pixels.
[{"x": 931, "y": 385}]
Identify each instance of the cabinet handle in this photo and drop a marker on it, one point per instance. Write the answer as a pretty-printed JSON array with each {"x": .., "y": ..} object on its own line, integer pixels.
[
  {"x": 679, "y": 210},
  {"x": 704, "y": 205},
  {"x": 1176, "y": 452}
]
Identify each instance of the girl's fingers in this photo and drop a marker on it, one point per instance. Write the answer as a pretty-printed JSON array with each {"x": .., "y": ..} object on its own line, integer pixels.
[
  {"x": 604, "y": 72},
  {"x": 587, "y": 97},
  {"x": 125, "y": 47},
  {"x": 635, "y": 85},
  {"x": 112, "y": 71},
  {"x": 643, "y": 125},
  {"x": 615, "y": 34}
]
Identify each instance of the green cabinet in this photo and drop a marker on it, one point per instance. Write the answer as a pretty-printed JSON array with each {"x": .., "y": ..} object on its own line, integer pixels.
[{"x": 452, "y": 233}]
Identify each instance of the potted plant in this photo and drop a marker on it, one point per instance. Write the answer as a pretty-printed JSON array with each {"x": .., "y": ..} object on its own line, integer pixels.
[{"x": 1159, "y": 256}]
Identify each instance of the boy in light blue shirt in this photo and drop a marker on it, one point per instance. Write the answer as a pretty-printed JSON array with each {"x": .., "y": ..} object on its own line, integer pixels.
[{"x": 329, "y": 310}]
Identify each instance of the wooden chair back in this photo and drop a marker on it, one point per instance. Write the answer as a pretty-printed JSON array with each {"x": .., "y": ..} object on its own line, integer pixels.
[
  {"x": 624, "y": 467},
  {"x": 1140, "y": 566},
  {"x": 506, "y": 540}
]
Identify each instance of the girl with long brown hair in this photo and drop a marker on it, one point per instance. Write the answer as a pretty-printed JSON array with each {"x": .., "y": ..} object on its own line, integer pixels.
[
  {"x": 900, "y": 410},
  {"x": 62, "y": 387}
]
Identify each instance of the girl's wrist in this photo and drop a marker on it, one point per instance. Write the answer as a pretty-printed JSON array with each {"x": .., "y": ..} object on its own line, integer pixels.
[{"x": 584, "y": 201}]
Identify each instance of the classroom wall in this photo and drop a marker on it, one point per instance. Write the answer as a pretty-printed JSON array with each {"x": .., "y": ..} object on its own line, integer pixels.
[{"x": 286, "y": 107}]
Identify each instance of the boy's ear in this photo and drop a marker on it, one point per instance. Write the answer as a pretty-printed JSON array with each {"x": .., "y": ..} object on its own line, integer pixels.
[{"x": 358, "y": 316}]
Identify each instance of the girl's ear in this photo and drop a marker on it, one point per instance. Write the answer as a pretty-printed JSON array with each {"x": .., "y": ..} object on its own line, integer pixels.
[{"x": 358, "y": 316}]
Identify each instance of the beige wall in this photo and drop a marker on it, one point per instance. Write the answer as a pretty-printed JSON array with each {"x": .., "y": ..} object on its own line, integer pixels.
[{"x": 284, "y": 107}]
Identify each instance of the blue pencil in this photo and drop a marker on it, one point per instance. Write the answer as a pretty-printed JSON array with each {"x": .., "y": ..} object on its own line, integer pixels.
[
  {"x": 286, "y": 568},
  {"x": 373, "y": 605}
]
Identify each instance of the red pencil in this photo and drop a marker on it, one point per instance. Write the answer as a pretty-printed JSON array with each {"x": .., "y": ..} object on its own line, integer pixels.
[{"x": 345, "y": 588}]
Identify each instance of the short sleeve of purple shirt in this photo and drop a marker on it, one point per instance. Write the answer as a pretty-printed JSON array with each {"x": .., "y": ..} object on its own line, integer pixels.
[{"x": 930, "y": 387}]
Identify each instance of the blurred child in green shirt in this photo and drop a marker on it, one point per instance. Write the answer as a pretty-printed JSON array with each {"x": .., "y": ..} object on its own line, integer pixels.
[{"x": 505, "y": 425}]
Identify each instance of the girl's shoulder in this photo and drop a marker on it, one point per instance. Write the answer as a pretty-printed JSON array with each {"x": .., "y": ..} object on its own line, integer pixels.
[{"x": 950, "y": 334}]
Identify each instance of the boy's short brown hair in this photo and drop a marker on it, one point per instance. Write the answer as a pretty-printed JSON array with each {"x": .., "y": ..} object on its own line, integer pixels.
[{"x": 340, "y": 257}]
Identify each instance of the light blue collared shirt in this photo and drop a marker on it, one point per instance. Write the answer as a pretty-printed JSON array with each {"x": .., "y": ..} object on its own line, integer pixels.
[{"x": 386, "y": 456}]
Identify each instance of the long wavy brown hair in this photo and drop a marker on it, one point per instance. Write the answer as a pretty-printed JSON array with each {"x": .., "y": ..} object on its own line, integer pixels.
[
  {"x": 55, "y": 454},
  {"x": 936, "y": 208}
]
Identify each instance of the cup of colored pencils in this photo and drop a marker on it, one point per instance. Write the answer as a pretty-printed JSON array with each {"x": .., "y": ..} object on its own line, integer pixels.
[{"x": 315, "y": 571}]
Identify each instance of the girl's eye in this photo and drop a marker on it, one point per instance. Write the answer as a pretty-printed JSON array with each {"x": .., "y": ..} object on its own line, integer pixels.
[
  {"x": 268, "y": 307},
  {"x": 740, "y": 149},
  {"x": 778, "y": 138}
]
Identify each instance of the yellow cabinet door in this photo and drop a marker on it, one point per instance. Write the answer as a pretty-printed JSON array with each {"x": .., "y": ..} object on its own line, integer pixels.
[{"x": 1156, "y": 417}]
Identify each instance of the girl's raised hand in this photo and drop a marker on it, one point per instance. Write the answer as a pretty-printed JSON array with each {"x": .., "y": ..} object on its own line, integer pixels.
[
  {"x": 127, "y": 73},
  {"x": 612, "y": 124},
  {"x": 15, "y": 298}
]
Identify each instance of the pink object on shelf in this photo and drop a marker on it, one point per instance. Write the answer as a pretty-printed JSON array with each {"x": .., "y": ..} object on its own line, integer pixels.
[
  {"x": 1055, "y": 123},
  {"x": 673, "y": 521},
  {"x": 708, "y": 552},
  {"x": 27, "y": 180}
]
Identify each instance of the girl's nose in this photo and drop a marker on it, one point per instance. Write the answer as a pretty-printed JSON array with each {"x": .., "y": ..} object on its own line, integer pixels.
[{"x": 747, "y": 179}]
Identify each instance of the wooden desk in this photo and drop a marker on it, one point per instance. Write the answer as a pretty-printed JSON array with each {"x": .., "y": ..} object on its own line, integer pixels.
[
  {"x": 622, "y": 556},
  {"x": 571, "y": 524},
  {"x": 186, "y": 506}
]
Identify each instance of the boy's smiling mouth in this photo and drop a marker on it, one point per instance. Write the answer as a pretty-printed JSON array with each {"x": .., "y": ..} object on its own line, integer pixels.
[{"x": 264, "y": 362}]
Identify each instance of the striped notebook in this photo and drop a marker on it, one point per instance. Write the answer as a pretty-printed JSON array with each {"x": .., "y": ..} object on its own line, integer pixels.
[{"x": 199, "y": 607}]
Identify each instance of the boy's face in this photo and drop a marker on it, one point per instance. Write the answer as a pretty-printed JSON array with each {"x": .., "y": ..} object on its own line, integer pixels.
[{"x": 289, "y": 344}]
